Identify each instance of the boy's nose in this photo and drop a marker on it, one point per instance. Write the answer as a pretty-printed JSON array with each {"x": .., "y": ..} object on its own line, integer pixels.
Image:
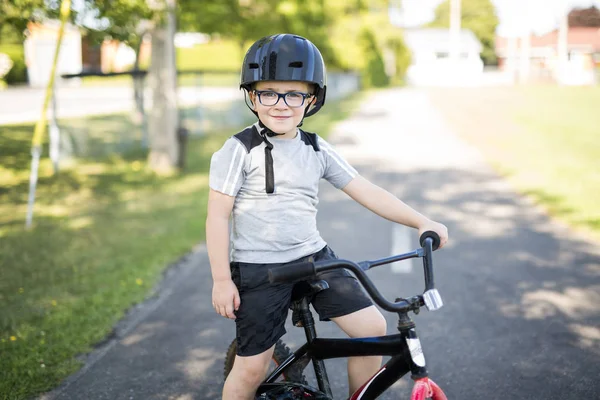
[{"x": 280, "y": 103}]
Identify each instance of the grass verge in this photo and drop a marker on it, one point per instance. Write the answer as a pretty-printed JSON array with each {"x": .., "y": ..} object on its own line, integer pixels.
[
  {"x": 544, "y": 139},
  {"x": 104, "y": 231}
]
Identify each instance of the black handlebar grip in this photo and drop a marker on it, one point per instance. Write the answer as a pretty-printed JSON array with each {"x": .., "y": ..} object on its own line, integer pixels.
[
  {"x": 432, "y": 235},
  {"x": 292, "y": 272}
]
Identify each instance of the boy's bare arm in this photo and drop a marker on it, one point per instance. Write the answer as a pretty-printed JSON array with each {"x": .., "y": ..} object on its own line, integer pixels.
[
  {"x": 388, "y": 206},
  {"x": 225, "y": 294},
  {"x": 217, "y": 233}
]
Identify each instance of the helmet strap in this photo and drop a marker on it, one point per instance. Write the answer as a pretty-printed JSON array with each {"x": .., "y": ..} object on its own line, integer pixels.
[
  {"x": 269, "y": 175},
  {"x": 304, "y": 116},
  {"x": 246, "y": 100},
  {"x": 320, "y": 94},
  {"x": 266, "y": 131}
]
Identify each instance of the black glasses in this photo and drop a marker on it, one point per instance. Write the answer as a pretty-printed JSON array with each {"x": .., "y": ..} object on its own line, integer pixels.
[{"x": 292, "y": 99}]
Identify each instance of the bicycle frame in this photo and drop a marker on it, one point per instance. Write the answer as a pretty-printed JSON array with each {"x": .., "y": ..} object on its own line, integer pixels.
[{"x": 404, "y": 347}]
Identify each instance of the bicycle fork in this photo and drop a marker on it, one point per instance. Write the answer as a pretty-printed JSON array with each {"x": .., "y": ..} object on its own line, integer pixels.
[{"x": 424, "y": 387}]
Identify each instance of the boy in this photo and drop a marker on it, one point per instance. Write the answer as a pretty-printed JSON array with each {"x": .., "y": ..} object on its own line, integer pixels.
[{"x": 267, "y": 176}]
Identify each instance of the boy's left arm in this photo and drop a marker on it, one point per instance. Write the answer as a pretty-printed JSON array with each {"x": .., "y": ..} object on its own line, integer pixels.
[{"x": 388, "y": 206}]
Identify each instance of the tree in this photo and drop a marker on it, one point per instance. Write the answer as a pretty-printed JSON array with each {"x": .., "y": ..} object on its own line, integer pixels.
[
  {"x": 128, "y": 22},
  {"x": 16, "y": 14},
  {"x": 245, "y": 21},
  {"x": 363, "y": 39},
  {"x": 311, "y": 19},
  {"x": 125, "y": 21},
  {"x": 334, "y": 26},
  {"x": 585, "y": 17},
  {"x": 165, "y": 151},
  {"x": 477, "y": 15},
  {"x": 374, "y": 71}
]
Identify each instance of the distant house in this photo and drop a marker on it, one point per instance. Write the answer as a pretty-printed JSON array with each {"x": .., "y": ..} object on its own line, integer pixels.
[
  {"x": 40, "y": 46},
  {"x": 112, "y": 55},
  {"x": 77, "y": 54},
  {"x": 432, "y": 63},
  {"x": 583, "y": 55}
]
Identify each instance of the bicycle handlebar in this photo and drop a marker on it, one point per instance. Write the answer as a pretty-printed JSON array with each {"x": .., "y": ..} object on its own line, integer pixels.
[{"x": 429, "y": 241}]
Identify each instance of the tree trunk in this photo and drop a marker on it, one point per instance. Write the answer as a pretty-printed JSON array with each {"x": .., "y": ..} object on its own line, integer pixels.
[
  {"x": 455, "y": 28},
  {"x": 562, "y": 47},
  {"x": 138, "y": 94},
  {"x": 162, "y": 81}
]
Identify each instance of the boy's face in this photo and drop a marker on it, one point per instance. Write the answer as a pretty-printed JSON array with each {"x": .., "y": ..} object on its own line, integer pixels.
[{"x": 280, "y": 117}]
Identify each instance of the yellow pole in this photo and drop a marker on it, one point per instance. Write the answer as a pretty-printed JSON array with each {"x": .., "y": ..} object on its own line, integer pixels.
[{"x": 40, "y": 126}]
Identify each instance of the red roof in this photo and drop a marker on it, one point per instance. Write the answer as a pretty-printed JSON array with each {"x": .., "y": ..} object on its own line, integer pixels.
[{"x": 578, "y": 37}]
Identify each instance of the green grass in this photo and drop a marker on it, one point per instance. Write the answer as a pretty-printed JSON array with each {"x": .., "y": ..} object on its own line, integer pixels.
[
  {"x": 210, "y": 79},
  {"x": 543, "y": 138},
  {"x": 104, "y": 230},
  {"x": 215, "y": 55}
]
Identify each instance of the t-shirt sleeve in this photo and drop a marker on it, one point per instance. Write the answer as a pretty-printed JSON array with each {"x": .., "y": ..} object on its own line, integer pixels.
[
  {"x": 337, "y": 170},
  {"x": 227, "y": 168}
]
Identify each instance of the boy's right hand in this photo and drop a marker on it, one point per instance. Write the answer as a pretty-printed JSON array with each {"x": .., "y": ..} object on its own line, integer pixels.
[{"x": 225, "y": 298}]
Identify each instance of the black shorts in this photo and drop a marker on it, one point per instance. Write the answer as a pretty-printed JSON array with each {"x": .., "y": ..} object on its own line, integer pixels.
[{"x": 260, "y": 319}]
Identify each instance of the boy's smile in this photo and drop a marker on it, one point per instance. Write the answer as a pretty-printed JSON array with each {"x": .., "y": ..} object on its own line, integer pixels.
[{"x": 281, "y": 118}]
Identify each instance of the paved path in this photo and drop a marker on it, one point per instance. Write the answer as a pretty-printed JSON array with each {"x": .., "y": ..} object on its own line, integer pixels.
[{"x": 522, "y": 293}]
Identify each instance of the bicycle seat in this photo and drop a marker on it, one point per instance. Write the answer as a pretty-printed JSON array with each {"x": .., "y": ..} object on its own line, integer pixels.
[
  {"x": 302, "y": 290},
  {"x": 308, "y": 289}
]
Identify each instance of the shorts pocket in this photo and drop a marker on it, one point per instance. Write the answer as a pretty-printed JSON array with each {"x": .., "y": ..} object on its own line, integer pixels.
[{"x": 253, "y": 276}]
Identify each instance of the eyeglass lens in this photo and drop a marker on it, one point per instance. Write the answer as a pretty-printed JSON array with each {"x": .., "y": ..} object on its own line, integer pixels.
[{"x": 292, "y": 99}]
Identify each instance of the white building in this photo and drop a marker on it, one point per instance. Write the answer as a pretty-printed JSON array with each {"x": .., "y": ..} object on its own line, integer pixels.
[
  {"x": 432, "y": 61},
  {"x": 40, "y": 46}
]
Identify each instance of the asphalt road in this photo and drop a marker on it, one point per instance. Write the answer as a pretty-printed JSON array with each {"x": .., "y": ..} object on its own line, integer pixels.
[{"x": 522, "y": 293}]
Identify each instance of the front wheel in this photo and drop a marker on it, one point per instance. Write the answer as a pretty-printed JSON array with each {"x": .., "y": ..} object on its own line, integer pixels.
[{"x": 281, "y": 353}]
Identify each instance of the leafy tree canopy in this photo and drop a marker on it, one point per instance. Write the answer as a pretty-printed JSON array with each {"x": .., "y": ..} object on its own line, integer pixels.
[
  {"x": 15, "y": 14},
  {"x": 335, "y": 26}
]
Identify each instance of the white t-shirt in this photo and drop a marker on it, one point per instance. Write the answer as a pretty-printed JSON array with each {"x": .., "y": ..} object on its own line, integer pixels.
[{"x": 280, "y": 226}]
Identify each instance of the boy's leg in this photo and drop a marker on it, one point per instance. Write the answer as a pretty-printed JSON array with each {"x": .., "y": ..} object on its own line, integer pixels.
[
  {"x": 346, "y": 303},
  {"x": 363, "y": 323},
  {"x": 246, "y": 376},
  {"x": 260, "y": 322}
]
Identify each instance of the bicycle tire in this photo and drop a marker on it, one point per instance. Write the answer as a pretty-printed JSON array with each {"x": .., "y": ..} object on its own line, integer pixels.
[{"x": 281, "y": 353}]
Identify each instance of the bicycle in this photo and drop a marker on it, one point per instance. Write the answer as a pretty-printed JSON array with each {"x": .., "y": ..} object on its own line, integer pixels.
[{"x": 404, "y": 347}]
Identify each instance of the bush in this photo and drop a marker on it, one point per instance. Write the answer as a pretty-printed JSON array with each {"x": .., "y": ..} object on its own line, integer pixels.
[
  {"x": 18, "y": 72},
  {"x": 402, "y": 57},
  {"x": 373, "y": 73}
]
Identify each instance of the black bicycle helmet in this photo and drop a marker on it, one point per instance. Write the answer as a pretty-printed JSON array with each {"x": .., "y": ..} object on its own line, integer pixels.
[{"x": 285, "y": 57}]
